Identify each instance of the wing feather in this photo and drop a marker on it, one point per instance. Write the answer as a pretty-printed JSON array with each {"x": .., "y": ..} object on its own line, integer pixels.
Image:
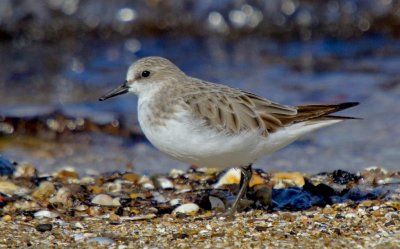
[{"x": 233, "y": 110}]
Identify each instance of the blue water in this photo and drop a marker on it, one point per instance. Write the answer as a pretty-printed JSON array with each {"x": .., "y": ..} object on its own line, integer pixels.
[{"x": 72, "y": 75}]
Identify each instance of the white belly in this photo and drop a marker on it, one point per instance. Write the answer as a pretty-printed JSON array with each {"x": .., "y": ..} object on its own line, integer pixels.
[{"x": 195, "y": 144}]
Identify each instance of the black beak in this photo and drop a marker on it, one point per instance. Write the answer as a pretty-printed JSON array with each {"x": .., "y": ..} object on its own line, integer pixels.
[{"x": 117, "y": 91}]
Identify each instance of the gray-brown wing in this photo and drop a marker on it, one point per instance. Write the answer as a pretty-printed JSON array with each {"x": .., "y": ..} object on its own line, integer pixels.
[{"x": 234, "y": 110}]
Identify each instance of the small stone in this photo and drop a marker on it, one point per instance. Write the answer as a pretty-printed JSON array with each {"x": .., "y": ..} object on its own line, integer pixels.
[
  {"x": 261, "y": 228},
  {"x": 188, "y": 209},
  {"x": 94, "y": 211},
  {"x": 146, "y": 182},
  {"x": 78, "y": 225},
  {"x": 87, "y": 180},
  {"x": 174, "y": 202},
  {"x": 9, "y": 188},
  {"x": 159, "y": 198},
  {"x": 6, "y": 218},
  {"x": 208, "y": 170},
  {"x": 66, "y": 174},
  {"x": 394, "y": 204},
  {"x": 216, "y": 203},
  {"x": 82, "y": 236},
  {"x": 25, "y": 171},
  {"x": 101, "y": 241},
  {"x": 104, "y": 200},
  {"x": 164, "y": 183},
  {"x": 116, "y": 201},
  {"x": 63, "y": 196},
  {"x": 131, "y": 177},
  {"x": 367, "y": 203},
  {"x": 139, "y": 217},
  {"x": 95, "y": 189},
  {"x": 343, "y": 177},
  {"x": 287, "y": 179},
  {"x": 134, "y": 195},
  {"x": 264, "y": 194},
  {"x": 26, "y": 205},
  {"x": 44, "y": 227},
  {"x": 81, "y": 208},
  {"x": 114, "y": 218},
  {"x": 45, "y": 214},
  {"x": 232, "y": 176},
  {"x": 175, "y": 173},
  {"x": 44, "y": 191},
  {"x": 112, "y": 187}
]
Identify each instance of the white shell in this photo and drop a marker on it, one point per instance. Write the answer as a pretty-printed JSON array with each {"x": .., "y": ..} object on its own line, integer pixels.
[{"x": 188, "y": 208}]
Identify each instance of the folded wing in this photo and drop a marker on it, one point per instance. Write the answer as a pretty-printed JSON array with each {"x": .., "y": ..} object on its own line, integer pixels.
[{"x": 232, "y": 110}]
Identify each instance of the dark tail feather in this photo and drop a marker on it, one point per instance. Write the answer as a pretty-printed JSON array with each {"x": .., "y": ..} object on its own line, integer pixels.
[
  {"x": 308, "y": 112},
  {"x": 340, "y": 117},
  {"x": 326, "y": 108},
  {"x": 343, "y": 106}
]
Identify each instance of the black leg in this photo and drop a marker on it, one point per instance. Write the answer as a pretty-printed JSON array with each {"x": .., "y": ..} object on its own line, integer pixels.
[{"x": 244, "y": 182}]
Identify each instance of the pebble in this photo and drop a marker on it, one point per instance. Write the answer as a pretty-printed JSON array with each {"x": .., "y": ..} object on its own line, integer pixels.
[
  {"x": 66, "y": 174},
  {"x": 101, "y": 241},
  {"x": 216, "y": 203},
  {"x": 44, "y": 191},
  {"x": 264, "y": 195},
  {"x": 113, "y": 187},
  {"x": 78, "y": 225},
  {"x": 139, "y": 217},
  {"x": 25, "y": 171},
  {"x": 232, "y": 176},
  {"x": 343, "y": 177},
  {"x": 175, "y": 201},
  {"x": 350, "y": 216},
  {"x": 158, "y": 197},
  {"x": 94, "y": 211},
  {"x": 131, "y": 177},
  {"x": 81, "y": 208},
  {"x": 116, "y": 201},
  {"x": 146, "y": 182},
  {"x": 87, "y": 180},
  {"x": 45, "y": 214},
  {"x": 287, "y": 179},
  {"x": 82, "y": 236},
  {"x": 188, "y": 209},
  {"x": 6, "y": 218},
  {"x": 44, "y": 227},
  {"x": 164, "y": 183},
  {"x": 114, "y": 218},
  {"x": 9, "y": 188},
  {"x": 95, "y": 189},
  {"x": 208, "y": 171},
  {"x": 105, "y": 200},
  {"x": 63, "y": 196},
  {"x": 175, "y": 173}
]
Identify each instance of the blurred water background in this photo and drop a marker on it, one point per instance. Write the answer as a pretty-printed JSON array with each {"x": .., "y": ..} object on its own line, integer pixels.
[{"x": 59, "y": 56}]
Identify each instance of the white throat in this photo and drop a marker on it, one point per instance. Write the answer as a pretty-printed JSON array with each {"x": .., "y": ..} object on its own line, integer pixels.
[{"x": 144, "y": 90}]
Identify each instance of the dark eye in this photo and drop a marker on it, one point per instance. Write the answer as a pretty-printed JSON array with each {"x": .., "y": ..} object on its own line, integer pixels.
[{"x": 145, "y": 74}]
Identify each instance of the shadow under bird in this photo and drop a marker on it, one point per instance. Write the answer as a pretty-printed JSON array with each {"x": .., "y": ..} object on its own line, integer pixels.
[{"x": 208, "y": 124}]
